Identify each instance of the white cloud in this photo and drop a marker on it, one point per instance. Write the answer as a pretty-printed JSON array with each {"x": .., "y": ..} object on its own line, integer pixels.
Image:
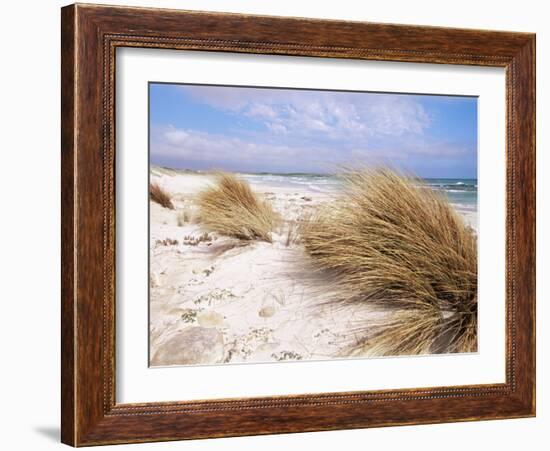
[
  {"x": 175, "y": 136},
  {"x": 335, "y": 115},
  {"x": 200, "y": 150}
]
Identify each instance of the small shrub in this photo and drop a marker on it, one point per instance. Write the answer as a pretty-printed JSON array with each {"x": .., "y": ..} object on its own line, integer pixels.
[
  {"x": 160, "y": 196},
  {"x": 231, "y": 208},
  {"x": 191, "y": 240},
  {"x": 167, "y": 242}
]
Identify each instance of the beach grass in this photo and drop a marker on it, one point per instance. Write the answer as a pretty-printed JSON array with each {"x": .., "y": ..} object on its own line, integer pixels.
[
  {"x": 160, "y": 196},
  {"x": 396, "y": 245},
  {"x": 292, "y": 233},
  {"x": 231, "y": 208}
]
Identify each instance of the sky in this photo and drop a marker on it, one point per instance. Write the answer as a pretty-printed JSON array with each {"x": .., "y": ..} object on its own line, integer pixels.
[{"x": 248, "y": 129}]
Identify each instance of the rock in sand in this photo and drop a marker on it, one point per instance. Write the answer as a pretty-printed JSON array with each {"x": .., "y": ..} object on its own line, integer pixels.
[{"x": 191, "y": 346}]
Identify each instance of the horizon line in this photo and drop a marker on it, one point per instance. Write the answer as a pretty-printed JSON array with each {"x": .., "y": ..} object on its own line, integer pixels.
[{"x": 320, "y": 174}]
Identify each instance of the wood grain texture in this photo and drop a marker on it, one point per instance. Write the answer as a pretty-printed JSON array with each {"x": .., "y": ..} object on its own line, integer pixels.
[
  {"x": 90, "y": 36},
  {"x": 68, "y": 238}
]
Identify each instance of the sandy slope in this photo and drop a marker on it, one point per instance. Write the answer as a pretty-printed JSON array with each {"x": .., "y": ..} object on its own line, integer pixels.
[{"x": 217, "y": 301}]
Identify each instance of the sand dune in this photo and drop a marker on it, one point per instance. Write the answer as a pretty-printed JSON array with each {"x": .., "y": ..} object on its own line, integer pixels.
[{"x": 215, "y": 299}]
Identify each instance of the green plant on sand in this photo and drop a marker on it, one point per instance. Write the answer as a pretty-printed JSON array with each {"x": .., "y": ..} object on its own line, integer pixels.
[
  {"x": 160, "y": 196},
  {"x": 396, "y": 245},
  {"x": 231, "y": 208}
]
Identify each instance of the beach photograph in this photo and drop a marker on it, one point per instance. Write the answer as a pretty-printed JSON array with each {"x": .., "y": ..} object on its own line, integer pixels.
[{"x": 291, "y": 225}]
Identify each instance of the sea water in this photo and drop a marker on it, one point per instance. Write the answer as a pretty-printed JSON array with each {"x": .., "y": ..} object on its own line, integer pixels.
[{"x": 462, "y": 193}]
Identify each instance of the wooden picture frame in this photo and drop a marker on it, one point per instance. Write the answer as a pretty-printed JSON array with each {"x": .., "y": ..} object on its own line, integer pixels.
[{"x": 90, "y": 36}]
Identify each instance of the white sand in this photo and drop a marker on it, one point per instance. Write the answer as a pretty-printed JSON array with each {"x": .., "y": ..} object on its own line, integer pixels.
[{"x": 219, "y": 301}]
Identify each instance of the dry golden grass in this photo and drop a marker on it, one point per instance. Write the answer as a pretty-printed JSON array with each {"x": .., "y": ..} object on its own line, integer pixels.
[
  {"x": 160, "y": 196},
  {"x": 292, "y": 228},
  {"x": 396, "y": 245},
  {"x": 231, "y": 208},
  {"x": 292, "y": 236}
]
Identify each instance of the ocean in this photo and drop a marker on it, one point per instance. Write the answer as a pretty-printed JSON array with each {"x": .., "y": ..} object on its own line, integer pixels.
[{"x": 462, "y": 193}]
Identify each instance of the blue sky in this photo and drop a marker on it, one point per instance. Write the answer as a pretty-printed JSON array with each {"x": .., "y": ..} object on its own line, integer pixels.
[{"x": 286, "y": 130}]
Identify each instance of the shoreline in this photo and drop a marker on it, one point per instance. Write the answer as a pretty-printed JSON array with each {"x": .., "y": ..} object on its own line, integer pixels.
[{"x": 189, "y": 182}]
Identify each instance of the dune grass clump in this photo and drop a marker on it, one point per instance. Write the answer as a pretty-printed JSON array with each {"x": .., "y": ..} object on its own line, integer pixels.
[
  {"x": 398, "y": 246},
  {"x": 231, "y": 208},
  {"x": 160, "y": 196},
  {"x": 292, "y": 236}
]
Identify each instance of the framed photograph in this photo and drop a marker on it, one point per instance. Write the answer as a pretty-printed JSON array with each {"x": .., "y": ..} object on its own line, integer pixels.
[{"x": 279, "y": 225}]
